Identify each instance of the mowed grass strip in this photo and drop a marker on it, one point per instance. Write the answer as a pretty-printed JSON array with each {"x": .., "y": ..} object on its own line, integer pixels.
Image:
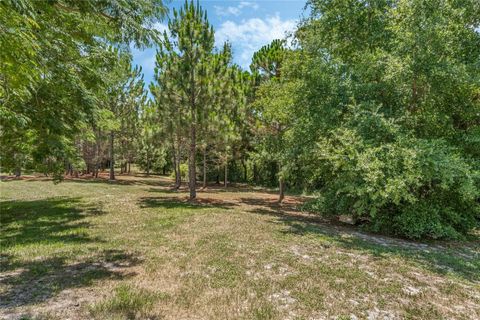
[{"x": 135, "y": 249}]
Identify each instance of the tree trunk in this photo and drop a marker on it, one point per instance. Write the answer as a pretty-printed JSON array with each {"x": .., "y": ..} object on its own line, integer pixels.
[
  {"x": 112, "y": 158},
  {"x": 191, "y": 160},
  {"x": 97, "y": 156},
  {"x": 204, "y": 168},
  {"x": 255, "y": 175},
  {"x": 225, "y": 182},
  {"x": 129, "y": 167},
  {"x": 18, "y": 172},
  {"x": 179, "y": 172},
  {"x": 148, "y": 165},
  {"x": 281, "y": 190},
  {"x": 176, "y": 162},
  {"x": 245, "y": 175}
]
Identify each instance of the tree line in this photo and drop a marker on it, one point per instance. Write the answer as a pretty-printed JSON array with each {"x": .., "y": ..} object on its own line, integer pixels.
[{"x": 373, "y": 106}]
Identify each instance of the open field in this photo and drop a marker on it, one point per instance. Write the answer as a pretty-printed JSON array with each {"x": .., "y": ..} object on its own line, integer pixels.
[{"x": 86, "y": 249}]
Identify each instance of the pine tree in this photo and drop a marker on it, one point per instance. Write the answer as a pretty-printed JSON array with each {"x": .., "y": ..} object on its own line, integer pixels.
[{"x": 182, "y": 77}]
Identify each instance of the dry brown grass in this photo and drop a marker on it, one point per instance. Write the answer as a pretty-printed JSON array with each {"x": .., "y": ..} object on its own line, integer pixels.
[{"x": 136, "y": 249}]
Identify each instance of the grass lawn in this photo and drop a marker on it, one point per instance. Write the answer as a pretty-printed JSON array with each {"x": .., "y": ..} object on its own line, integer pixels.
[{"x": 86, "y": 249}]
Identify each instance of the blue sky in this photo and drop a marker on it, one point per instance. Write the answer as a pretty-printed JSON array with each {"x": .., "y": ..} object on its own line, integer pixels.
[{"x": 247, "y": 25}]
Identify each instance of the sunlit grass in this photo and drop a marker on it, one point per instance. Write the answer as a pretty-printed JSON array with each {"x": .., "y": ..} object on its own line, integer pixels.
[{"x": 136, "y": 249}]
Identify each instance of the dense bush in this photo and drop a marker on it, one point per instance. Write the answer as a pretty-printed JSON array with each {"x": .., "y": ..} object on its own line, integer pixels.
[{"x": 406, "y": 186}]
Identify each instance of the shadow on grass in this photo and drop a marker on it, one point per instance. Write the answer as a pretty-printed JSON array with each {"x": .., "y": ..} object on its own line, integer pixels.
[
  {"x": 35, "y": 275},
  {"x": 38, "y": 280},
  {"x": 460, "y": 260},
  {"x": 44, "y": 221},
  {"x": 155, "y": 181},
  {"x": 184, "y": 203},
  {"x": 122, "y": 180}
]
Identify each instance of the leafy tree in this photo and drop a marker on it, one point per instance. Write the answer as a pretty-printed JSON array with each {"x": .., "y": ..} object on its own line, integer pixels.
[
  {"x": 272, "y": 102},
  {"x": 385, "y": 105},
  {"x": 51, "y": 64},
  {"x": 124, "y": 97}
]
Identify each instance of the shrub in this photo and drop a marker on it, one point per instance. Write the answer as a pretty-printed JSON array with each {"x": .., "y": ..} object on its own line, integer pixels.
[{"x": 402, "y": 185}]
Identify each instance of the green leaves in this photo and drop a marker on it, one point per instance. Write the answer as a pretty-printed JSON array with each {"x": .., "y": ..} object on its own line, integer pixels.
[
  {"x": 383, "y": 96},
  {"x": 54, "y": 62}
]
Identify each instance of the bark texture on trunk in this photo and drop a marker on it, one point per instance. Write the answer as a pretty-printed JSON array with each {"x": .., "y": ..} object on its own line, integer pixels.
[{"x": 112, "y": 157}]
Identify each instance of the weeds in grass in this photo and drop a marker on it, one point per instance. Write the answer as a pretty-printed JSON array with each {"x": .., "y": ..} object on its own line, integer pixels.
[{"x": 127, "y": 302}]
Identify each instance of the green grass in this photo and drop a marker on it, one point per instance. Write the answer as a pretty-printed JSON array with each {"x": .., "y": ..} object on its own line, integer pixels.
[
  {"x": 137, "y": 250},
  {"x": 127, "y": 302}
]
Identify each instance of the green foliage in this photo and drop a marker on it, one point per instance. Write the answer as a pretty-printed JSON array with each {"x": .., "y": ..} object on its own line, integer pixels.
[
  {"x": 52, "y": 66},
  {"x": 153, "y": 160},
  {"x": 267, "y": 61},
  {"x": 198, "y": 94},
  {"x": 385, "y": 104},
  {"x": 406, "y": 186},
  {"x": 183, "y": 172}
]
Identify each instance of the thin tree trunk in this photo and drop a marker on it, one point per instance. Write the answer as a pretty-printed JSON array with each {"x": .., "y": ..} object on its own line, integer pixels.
[
  {"x": 204, "y": 168},
  {"x": 112, "y": 157},
  {"x": 179, "y": 172},
  {"x": 148, "y": 164},
  {"x": 176, "y": 162},
  {"x": 18, "y": 172},
  {"x": 175, "y": 170},
  {"x": 191, "y": 160},
  {"x": 175, "y": 167},
  {"x": 128, "y": 166},
  {"x": 281, "y": 190},
  {"x": 225, "y": 182},
  {"x": 245, "y": 175},
  {"x": 97, "y": 156}
]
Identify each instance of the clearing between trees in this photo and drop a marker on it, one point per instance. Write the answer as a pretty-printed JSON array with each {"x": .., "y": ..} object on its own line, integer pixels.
[{"x": 135, "y": 248}]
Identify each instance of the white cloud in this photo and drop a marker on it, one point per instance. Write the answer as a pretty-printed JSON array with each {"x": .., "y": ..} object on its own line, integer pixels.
[
  {"x": 250, "y": 35},
  {"x": 235, "y": 10}
]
